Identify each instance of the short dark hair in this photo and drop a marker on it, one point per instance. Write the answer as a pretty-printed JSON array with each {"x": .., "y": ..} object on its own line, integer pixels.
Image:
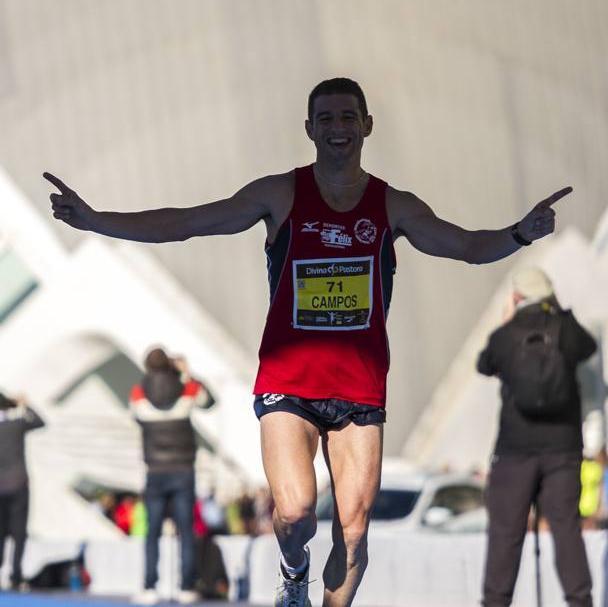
[
  {"x": 157, "y": 360},
  {"x": 337, "y": 86}
]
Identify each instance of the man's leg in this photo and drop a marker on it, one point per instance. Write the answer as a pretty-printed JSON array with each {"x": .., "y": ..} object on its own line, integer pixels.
[
  {"x": 559, "y": 498},
  {"x": 354, "y": 458},
  {"x": 183, "y": 506},
  {"x": 512, "y": 487},
  {"x": 4, "y": 516},
  {"x": 18, "y": 530},
  {"x": 155, "y": 502},
  {"x": 289, "y": 445}
]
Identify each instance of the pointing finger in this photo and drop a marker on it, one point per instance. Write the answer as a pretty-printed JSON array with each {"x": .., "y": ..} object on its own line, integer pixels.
[
  {"x": 64, "y": 189},
  {"x": 551, "y": 200}
]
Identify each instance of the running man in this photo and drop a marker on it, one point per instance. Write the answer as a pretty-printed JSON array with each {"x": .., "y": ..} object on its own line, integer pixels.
[{"x": 324, "y": 353}]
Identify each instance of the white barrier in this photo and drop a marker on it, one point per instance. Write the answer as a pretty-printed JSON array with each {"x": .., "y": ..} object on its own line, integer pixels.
[
  {"x": 417, "y": 569},
  {"x": 428, "y": 570},
  {"x": 118, "y": 567}
]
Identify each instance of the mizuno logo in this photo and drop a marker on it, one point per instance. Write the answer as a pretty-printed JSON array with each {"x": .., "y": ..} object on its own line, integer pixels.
[{"x": 309, "y": 226}]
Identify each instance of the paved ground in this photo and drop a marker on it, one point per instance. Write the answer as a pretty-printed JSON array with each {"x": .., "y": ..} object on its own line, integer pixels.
[{"x": 37, "y": 599}]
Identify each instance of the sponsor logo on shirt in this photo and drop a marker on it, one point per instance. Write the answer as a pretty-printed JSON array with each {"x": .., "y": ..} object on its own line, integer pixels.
[
  {"x": 309, "y": 226},
  {"x": 365, "y": 231},
  {"x": 333, "y": 235}
]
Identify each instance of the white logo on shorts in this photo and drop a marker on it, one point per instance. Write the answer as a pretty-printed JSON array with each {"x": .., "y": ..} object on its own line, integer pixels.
[{"x": 271, "y": 399}]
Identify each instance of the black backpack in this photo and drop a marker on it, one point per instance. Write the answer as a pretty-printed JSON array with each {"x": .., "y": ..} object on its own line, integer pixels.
[{"x": 538, "y": 376}]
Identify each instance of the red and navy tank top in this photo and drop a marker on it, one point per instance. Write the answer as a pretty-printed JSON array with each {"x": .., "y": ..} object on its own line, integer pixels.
[{"x": 331, "y": 278}]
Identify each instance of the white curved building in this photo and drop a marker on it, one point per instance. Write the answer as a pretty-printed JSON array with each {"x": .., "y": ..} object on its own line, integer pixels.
[
  {"x": 480, "y": 108},
  {"x": 74, "y": 326}
]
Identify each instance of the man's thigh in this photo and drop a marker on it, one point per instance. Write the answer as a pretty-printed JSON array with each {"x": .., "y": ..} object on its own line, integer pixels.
[
  {"x": 354, "y": 458},
  {"x": 183, "y": 498},
  {"x": 18, "y": 513},
  {"x": 289, "y": 445},
  {"x": 5, "y": 504},
  {"x": 560, "y": 488},
  {"x": 156, "y": 500},
  {"x": 512, "y": 488}
]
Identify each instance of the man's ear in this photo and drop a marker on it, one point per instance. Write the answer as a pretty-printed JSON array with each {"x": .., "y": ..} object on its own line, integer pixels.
[
  {"x": 368, "y": 125},
  {"x": 308, "y": 127}
]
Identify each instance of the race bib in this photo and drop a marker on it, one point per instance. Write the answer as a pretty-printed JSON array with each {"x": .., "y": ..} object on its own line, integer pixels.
[{"x": 333, "y": 294}]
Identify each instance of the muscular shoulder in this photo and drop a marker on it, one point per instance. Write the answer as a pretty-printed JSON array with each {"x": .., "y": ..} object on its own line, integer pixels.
[
  {"x": 403, "y": 208},
  {"x": 275, "y": 191}
]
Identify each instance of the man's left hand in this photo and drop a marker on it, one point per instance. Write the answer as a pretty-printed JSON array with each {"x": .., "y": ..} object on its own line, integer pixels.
[{"x": 540, "y": 221}]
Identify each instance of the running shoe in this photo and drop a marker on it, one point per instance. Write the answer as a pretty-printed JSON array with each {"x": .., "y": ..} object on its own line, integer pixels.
[{"x": 293, "y": 592}]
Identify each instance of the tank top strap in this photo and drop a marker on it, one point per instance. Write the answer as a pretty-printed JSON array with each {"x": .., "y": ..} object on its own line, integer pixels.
[
  {"x": 373, "y": 202},
  {"x": 306, "y": 199}
]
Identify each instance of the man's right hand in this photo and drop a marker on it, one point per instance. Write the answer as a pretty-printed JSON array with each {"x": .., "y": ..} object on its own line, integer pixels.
[{"x": 68, "y": 206}]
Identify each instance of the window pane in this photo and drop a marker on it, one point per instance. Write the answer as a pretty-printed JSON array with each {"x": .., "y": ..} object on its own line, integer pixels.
[
  {"x": 390, "y": 504},
  {"x": 16, "y": 283},
  {"x": 458, "y": 498}
]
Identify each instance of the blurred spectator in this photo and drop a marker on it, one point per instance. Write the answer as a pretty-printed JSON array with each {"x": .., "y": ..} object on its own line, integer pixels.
[
  {"x": 263, "y": 510},
  {"x": 106, "y": 503},
  {"x": 250, "y": 514},
  {"x": 592, "y": 484},
  {"x": 123, "y": 514},
  {"x": 214, "y": 514},
  {"x": 16, "y": 419},
  {"x": 162, "y": 405},
  {"x": 246, "y": 506},
  {"x": 211, "y": 576},
  {"x": 200, "y": 526},
  {"x": 139, "y": 519},
  {"x": 537, "y": 456},
  {"x": 234, "y": 520}
]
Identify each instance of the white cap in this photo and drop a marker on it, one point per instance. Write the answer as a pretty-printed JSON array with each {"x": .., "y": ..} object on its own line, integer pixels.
[{"x": 532, "y": 283}]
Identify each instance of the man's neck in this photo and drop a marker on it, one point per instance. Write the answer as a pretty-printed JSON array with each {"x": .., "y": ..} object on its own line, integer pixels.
[{"x": 333, "y": 175}]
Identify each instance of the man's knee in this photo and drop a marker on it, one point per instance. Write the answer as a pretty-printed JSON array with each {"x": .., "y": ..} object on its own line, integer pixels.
[
  {"x": 352, "y": 538},
  {"x": 293, "y": 514}
]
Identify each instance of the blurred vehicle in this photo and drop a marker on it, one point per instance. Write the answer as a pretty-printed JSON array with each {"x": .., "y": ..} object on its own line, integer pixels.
[
  {"x": 415, "y": 501},
  {"x": 473, "y": 521}
]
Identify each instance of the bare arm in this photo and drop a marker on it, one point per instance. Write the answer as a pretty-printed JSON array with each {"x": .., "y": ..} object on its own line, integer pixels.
[
  {"x": 430, "y": 234},
  {"x": 260, "y": 199}
]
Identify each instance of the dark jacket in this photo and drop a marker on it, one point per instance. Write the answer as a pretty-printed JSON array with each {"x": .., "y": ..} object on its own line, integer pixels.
[
  {"x": 521, "y": 434},
  {"x": 162, "y": 405},
  {"x": 14, "y": 423}
]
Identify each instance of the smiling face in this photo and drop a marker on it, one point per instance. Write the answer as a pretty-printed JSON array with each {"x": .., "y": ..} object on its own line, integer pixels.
[{"x": 338, "y": 128}]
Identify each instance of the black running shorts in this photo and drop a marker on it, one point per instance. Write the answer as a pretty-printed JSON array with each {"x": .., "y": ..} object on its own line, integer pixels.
[{"x": 325, "y": 414}]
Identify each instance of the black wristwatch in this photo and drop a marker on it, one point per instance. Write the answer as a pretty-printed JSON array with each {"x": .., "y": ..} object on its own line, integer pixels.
[{"x": 517, "y": 237}]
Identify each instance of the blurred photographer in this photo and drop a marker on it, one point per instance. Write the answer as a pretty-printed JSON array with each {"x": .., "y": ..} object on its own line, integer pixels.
[
  {"x": 538, "y": 452},
  {"x": 16, "y": 419},
  {"x": 162, "y": 405}
]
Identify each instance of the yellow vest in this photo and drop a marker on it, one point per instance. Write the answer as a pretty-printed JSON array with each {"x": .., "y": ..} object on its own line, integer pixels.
[{"x": 591, "y": 486}]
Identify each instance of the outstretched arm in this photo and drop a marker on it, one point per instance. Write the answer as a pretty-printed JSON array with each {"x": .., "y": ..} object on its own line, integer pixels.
[
  {"x": 239, "y": 212},
  {"x": 435, "y": 236}
]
